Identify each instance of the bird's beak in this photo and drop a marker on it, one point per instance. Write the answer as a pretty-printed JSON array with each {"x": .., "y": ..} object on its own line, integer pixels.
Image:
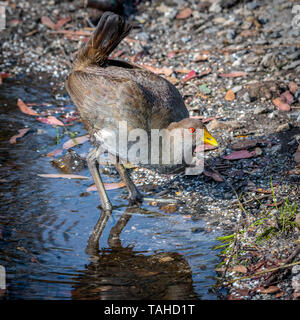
[{"x": 209, "y": 139}]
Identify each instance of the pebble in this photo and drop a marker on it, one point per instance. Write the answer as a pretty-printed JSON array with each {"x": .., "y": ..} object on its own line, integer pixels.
[{"x": 215, "y": 8}]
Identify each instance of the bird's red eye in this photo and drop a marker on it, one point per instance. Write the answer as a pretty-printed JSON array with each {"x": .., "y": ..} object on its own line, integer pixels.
[{"x": 192, "y": 130}]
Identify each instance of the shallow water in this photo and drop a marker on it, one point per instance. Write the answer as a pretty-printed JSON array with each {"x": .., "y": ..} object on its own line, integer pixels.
[{"x": 45, "y": 225}]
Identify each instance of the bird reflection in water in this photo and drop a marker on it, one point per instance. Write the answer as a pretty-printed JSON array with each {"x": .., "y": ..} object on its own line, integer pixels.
[{"x": 121, "y": 273}]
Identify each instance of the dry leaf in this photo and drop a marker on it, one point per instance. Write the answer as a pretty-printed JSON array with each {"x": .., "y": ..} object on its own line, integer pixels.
[
  {"x": 204, "y": 73},
  {"x": 166, "y": 71},
  {"x": 293, "y": 87},
  {"x": 48, "y": 22},
  {"x": 21, "y": 133},
  {"x": 201, "y": 58},
  {"x": 25, "y": 109},
  {"x": 240, "y": 269},
  {"x": 60, "y": 23},
  {"x": 62, "y": 175},
  {"x": 242, "y": 154},
  {"x": 245, "y": 144},
  {"x": 217, "y": 177},
  {"x": 3, "y": 75},
  {"x": 287, "y": 97},
  {"x": 108, "y": 186},
  {"x": 281, "y": 104},
  {"x": 75, "y": 141},
  {"x": 233, "y": 74},
  {"x": 186, "y": 71},
  {"x": 271, "y": 289},
  {"x": 51, "y": 120},
  {"x": 192, "y": 74},
  {"x": 230, "y": 96},
  {"x": 55, "y": 152},
  {"x": 184, "y": 14},
  {"x": 54, "y": 26}
]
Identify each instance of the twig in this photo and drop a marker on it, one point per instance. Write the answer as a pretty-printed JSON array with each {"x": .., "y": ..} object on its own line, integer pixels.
[
  {"x": 263, "y": 272},
  {"x": 288, "y": 260}
]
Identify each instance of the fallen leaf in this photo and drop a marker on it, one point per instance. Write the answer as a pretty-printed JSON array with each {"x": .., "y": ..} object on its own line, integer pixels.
[
  {"x": 166, "y": 71},
  {"x": 51, "y": 120},
  {"x": 54, "y": 26},
  {"x": 201, "y": 58},
  {"x": 3, "y": 75},
  {"x": 230, "y": 96},
  {"x": 25, "y": 109},
  {"x": 204, "y": 73},
  {"x": 192, "y": 74},
  {"x": 204, "y": 88},
  {"x": 287, "y": 97},
  {"x": 241, "y": 154},
  {"x": 221, "y": 125},
  {"x": 184, "y": 14},
  {"x": 55, "y": 152},
  {"x": 240, "y": 269},
  {"x": 281, "y": 104},
  {"x": 233, "y": 74},
  {"x": 245, "y": 144},
  {"x": 21, "y": 133},
  {"x": 61, "y": 22},
  {"x": 75, "y": 141},
  {"x": 271, "y": 289},
  {"x": 108, "y": 186},
  {"x": 48, "y": 22},
  {"x": 217, "y": 177},
  {"x": 293, "y": 87},
  {"x": 62, "y": 175},
  {"x": 242, "y": 292},
  {"x": 186, "y": 71},
  {"x": 279, "y": 294}
]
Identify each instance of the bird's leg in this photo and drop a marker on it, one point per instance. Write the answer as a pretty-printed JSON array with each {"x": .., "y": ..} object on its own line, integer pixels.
[
  {"x": 134, "y": 195},
  {"x": 114, "y": 236},
  {"x": 93, "y": 242},
  {"x": 94, "y": 169}
]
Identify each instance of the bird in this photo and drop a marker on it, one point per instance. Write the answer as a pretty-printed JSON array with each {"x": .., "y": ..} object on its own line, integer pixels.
[{"x": 107, "y": 92}]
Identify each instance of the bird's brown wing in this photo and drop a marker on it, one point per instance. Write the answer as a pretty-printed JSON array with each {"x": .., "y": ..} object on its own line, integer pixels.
[{"x": 104, "y": 100}]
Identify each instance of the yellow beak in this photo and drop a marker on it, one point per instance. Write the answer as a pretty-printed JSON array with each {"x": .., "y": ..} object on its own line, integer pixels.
[{"x": 209, "y": 139}]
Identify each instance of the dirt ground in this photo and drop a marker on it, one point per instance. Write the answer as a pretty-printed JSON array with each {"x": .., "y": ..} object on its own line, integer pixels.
[{"x": 237, "y": 65}]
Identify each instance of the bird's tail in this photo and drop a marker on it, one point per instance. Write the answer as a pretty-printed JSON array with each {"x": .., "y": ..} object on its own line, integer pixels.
[{"x": 110, "y": 31}]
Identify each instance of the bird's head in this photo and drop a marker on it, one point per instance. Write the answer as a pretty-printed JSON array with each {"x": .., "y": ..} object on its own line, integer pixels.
[{"x": 193, "y": 126}]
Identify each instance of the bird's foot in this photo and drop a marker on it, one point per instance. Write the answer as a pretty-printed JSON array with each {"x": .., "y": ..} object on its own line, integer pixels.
[{"x": 136, "y": 199}]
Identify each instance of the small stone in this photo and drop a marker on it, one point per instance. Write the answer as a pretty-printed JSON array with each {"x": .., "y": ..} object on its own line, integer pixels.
[
  {"x": 258, "y": 151},
  {"x": 237, "y": 89},
  {"x": 246, "y": 97},
  {"x": 275, "y": 149},
  {"x": 296, "y": 269},
  {"x": 260, "y": 110},
  {"x": 292, "y": 65},
  {"x": 215, "y": 8},
  {"x": 269, "y": 61},
  {"x": 252, "y": 5},
  {"x": 283, "y": 127}
]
